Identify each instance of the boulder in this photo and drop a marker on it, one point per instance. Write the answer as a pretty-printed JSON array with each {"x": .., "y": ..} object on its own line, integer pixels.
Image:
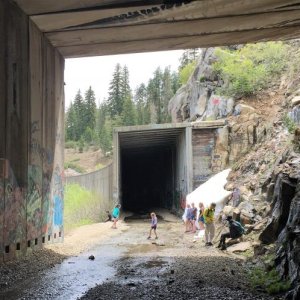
[
  {"x": 260, "y": 225},
  {"x": 218, "y": 107},
  {"x": 295, "y": 101},
  {"x": 227, "y": 210},
  {"x": 295, "y": 114},
  {"x": 242, "y": 109},
  {"x": 259, "y": 249},
  {"x": 247, "y": 207},
  {"x": 240, "y": 247}
]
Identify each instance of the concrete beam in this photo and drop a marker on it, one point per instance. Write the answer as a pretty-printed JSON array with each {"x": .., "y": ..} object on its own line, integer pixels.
[
  {"x": 187, "y": 42},
  {"x": 170, "y": 30}
]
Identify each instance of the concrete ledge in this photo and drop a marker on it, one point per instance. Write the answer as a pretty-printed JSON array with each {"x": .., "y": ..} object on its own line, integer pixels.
[{"x": 200, "y": 124}]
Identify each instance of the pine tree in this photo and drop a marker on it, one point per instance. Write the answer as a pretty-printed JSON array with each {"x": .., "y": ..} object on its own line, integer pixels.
[
  {"x": 140, "y": 99},
  {"x": 115, "y": 98},
  {"x": 128, "y": 115},
  {"x": 71, "y": 124},
  {"x": 188, "y": 56},
  {"x": 89, "y": 117},
  {"x": 175, "y": 82},
  {"x": 79, "y": 112},
  {"x": 154, "y": 95},
  {"x": 125, "y": 86},
  {"x": 105, "y": 140},
  {"x": 101, "y": 115},
  {"x": 166, "y": 94}
]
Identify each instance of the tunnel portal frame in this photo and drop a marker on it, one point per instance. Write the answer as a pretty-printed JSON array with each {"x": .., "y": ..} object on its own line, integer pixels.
[{"x": 187, "y": 155}]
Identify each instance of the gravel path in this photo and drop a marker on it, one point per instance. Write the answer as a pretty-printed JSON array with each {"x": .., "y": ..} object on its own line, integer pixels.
[{"x": 172, "y": 267}]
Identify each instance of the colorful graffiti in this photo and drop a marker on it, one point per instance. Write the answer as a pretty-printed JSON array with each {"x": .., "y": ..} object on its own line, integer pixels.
[
  {"x": 13, "y": 206},
  {"x": 57, "y": 189}
]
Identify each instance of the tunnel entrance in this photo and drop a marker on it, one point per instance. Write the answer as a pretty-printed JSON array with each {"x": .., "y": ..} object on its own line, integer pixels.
[
  {"x": 151, "y": 168},
  {"x": 147, "y": 178}
]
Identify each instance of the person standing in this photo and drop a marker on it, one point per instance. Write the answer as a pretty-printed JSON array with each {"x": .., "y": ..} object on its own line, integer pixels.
[
  {"x": 188, "y": 223},
  {"x": 115, "y": 216},
  {"x": 209, "y": 218},
  {"x": 200, "y": 216},
  {"x": 153, "y": 226},
  {"x": 193, "y": 217},
  {"x": 236, "y": 194}
]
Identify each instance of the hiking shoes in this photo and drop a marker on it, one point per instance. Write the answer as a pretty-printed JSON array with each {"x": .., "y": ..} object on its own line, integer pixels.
[{"x": 208, "y": 244}]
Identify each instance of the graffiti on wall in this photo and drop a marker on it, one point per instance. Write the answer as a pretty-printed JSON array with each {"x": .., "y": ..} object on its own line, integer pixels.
[
  {"x": 12, "y": 207},
  {"x": 34, "y": 200},
  {"x": 57, "y": 189}
]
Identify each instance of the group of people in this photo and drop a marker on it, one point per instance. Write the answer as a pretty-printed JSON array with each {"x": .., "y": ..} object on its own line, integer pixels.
[
  {"x": 195, "y": 219},
  {"x": 204, "y": 219}
]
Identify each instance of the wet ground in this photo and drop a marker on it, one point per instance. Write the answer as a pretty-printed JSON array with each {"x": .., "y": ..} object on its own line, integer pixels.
[{"x": 128, "y": 266}]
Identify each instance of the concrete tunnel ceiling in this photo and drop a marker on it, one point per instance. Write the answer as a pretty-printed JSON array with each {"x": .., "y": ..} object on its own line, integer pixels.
[
  {"x": 148, "y": 168},
  {"x": 92, "y": 27}
]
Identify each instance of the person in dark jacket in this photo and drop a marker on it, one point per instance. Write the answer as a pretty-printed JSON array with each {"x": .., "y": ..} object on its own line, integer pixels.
[{"x": 236, "y": 230}]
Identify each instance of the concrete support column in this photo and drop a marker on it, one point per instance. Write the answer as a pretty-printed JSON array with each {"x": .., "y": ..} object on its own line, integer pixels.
[
  {"x": 116, "y": 168},
  {"x": 189, "y": 159}
]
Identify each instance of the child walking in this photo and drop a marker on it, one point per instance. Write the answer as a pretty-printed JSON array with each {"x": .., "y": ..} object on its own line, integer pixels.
[
  {"x": 153, "y": 225},
  {"x": 115, "y": 216}
]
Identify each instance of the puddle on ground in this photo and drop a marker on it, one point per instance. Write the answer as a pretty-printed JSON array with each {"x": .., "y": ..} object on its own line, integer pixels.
[
  {"x": 71, "y": 279},
  {"x": 136, "y": 270}
]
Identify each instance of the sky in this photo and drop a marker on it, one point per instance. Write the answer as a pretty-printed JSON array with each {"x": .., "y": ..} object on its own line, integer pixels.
[{"x": 80, "y": 73}]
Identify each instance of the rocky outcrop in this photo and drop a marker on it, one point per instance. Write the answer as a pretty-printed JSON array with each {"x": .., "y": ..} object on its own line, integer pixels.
[
  {"x": 284, "y": 221},
  {"x": 198, "y": 100}
]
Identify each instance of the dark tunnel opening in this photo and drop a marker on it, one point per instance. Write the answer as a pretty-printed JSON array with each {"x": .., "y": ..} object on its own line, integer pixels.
[
  {"x": 151, "y": 167},
  {"x": 147, "y": 178}
]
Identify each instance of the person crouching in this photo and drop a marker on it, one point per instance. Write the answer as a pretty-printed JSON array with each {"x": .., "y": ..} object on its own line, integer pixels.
[{"x": 236, "y": 230}]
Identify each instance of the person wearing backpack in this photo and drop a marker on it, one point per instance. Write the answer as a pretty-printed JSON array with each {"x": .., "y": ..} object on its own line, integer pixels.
[{"x": 236, "y": 230}]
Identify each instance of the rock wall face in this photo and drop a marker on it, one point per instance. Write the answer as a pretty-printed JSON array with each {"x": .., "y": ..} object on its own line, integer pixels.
[
  {"x": 198, "y": 100},
  {"x": 283, "y": 226}
]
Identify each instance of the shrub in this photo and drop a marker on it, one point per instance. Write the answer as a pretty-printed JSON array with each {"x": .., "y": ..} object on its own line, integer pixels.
[
  {"x": 289, "y": 124},
  {"x": 70, "y": 145},
  {"x": 186, "y": 72},
  {"x": 82, "y": 207},
  {"x": 73, "y": 166},
  {"x": 81, "y": 145},
  {"x": 269, "y": 281},
  {"x": 251, "y": 68}
]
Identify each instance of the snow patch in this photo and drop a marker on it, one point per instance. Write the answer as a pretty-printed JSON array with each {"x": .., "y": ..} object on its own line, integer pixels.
[{"x": 211, "y": 191}]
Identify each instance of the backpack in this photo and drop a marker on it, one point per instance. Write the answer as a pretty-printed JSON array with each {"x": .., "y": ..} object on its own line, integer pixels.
[{"x": 239, "y": 227}]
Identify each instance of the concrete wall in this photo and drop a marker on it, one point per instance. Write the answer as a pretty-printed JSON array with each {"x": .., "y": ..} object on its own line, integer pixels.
[
  {"x": 31, "y": 136},
  {"x": 100, "y": 183},
  {"x": 181, "y": 182}
]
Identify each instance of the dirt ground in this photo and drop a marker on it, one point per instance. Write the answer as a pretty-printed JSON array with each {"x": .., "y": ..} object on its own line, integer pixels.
[
  {"x": 89, "y": 160},
  {"x": 128, "y": 266}
]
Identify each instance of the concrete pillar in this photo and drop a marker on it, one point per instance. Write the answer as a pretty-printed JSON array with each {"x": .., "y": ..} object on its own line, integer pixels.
[
  {"x": 116, "y": 168},
  {"x": 31, "y": 136},
  {"x": 189, "y": 159}
]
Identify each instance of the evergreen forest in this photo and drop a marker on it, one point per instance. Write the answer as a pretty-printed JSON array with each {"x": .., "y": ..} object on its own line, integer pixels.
[{"x": 87, "y": 124}]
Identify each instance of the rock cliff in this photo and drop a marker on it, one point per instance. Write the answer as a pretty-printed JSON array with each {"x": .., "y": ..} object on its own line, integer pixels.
[{"x": 263, "y": 150}]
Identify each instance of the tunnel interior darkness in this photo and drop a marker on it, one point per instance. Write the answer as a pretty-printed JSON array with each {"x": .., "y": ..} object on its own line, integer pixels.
[{"x": 148, "y": 171}]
